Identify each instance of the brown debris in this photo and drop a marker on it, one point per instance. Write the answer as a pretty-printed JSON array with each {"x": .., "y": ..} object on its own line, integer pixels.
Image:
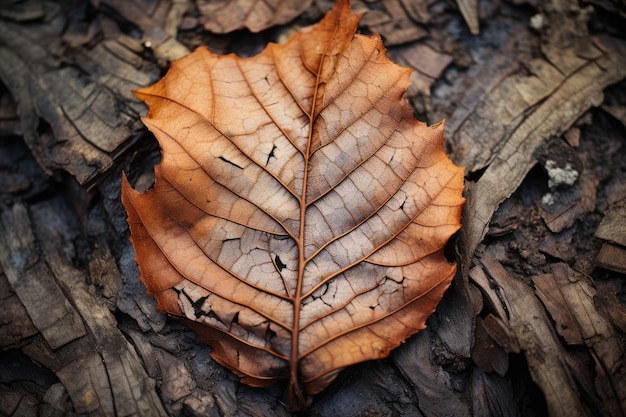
[
  {"x": 612, "y": 229},
  {"x": 570, "y": 298},
  {"x": 501, "y": 333},
  {"x": 488, "y": 354},
  {"x": 429, "y": 65},
  {"x": 394, "y": 24},
  {"x": 84, "y": 126},
  {"x": 559, "y": 245},
  {"x": 561, "y": 209},
  {"x": 526, "y": 110},
  {"x": 78, "y": 340},
  {"x": 15, "y": 324},
  {"x": 528, "y": 322},
  {"x": 469, "y": 10},
  {"x": 612, "y": 257},
  {"x": 430, "y": 380},
  {"x": 226, "y": 16},
  {"x": 158, "y": 21}
]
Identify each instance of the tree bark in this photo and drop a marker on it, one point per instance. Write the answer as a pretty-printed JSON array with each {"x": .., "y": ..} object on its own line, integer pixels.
[{"x": 534, "y": 323}]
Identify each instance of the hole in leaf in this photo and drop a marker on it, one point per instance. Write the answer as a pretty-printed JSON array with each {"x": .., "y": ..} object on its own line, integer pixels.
[
  {"x": 279, "y": 264},
  {"x": 270, "y": 333},
  {"x": 197, "y": 306},
  {"x": 212, "y": 315}
]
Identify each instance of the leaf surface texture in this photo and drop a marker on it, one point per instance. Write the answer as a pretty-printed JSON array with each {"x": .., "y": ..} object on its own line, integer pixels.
[{"x": 299, "y": 213}]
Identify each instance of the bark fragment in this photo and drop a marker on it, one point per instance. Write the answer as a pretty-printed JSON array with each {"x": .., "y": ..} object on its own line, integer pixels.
[{"x": 79, "y": 338}]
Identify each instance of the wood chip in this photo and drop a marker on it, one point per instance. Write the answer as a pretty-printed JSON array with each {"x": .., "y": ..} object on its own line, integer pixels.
[
  {"x": 15, "y": 324},
  {"x": 559, "y": 245},
  {"x": 549, "y": 293},
  {"x": 612, "y": 257},
  {"x": 501, "y": 333},
  {"x": 613, "y": 225}
]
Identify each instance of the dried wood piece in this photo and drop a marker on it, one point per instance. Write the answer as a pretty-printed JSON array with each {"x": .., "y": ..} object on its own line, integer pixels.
[
  {"x": 532, "y": 124},
  {"x": 501, "y": 333},
  {"x": 15, "y": 402},
  {"x": 613, "y": 225},
  {"x": 417, "y": 10},
  {"x": 455, "y": 323},
  {"x": 612, "y": 257},
  {"x": 86, "y": 124},
  {"x": 569, "y": 297},
  {"x": 428, "y": 63},
  {"x": 29, "y": 277},
  {"x": 492, "y": 396},
  {"x": 491, "y": 293},
  {"x": 15, "y": 324},
  {"x": 608, "y": 300},
  {"x": 79, "y": 341},
  {"x": 113, "y": 64},
  {"x": 516, "y": 113},
  {"x": 104, "y": 274},
  {"x": 469, "y": 10},
  {"x": 561, "y": 208},
  {"x": 547, "y": 359},
  {"x": 548, "y": 291},
  {"x": 191, "y": 382},
  {"x": 559, "y": 245},
  {"x": 503, "y": 109},
  {"x": 24, "y": 10},
  {"x": 506, "y": 219}
]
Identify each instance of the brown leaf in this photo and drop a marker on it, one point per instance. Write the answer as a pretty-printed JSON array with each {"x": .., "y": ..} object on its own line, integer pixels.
[
  {"x": 300, "y": 211},
  {"x": 225, "y": 16},
  {"x": 396, "y": 21}
]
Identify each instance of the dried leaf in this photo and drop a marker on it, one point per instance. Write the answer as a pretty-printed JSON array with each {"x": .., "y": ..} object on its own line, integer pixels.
[
  {"x": 299, "y": 213},
  {"x": 227, "y": 16},
  {"x": 396, "y": 22}
]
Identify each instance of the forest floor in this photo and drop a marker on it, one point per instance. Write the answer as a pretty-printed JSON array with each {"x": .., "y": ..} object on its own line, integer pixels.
[{"x": 535, "y": 108}]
